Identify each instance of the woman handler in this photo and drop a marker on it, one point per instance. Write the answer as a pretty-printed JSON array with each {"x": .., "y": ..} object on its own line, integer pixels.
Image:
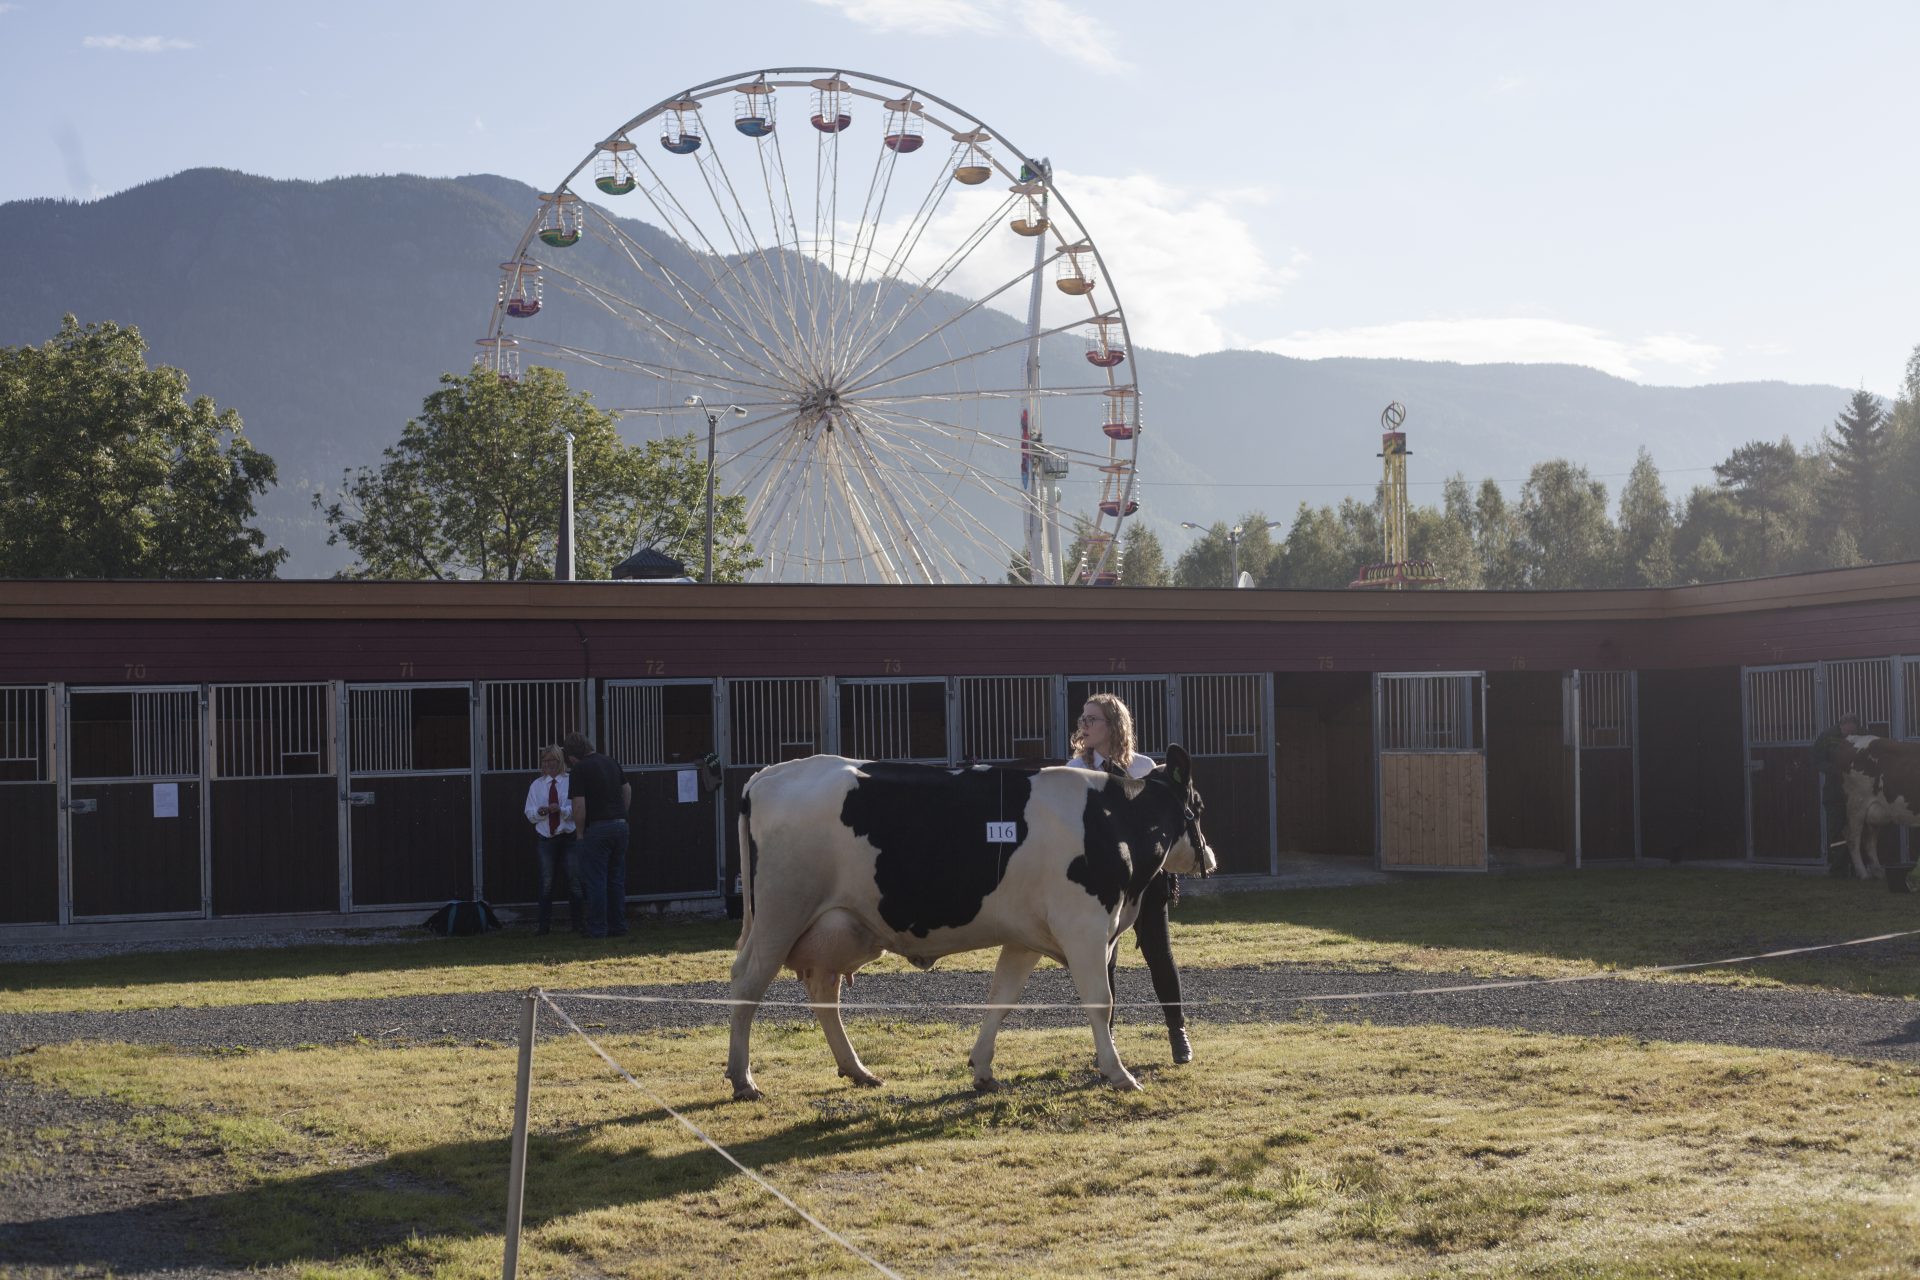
[{"x": 1104, "y": 741}]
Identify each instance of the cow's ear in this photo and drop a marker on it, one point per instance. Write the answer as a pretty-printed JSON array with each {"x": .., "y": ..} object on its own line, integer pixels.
[{"x": 1180, "y": 764}]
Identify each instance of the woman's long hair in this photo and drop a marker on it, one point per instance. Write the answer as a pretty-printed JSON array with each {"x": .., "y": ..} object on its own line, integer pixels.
[{"x": 1119, "y": 735}]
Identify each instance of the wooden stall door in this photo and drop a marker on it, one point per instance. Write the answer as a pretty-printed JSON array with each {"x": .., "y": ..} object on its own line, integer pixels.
[
  {"x": 1604, "y": 704},
  {"x": 1869, "y": 688},
  {"x": 274, "y": 799},
  {"x": 660, "y": 730},
  {"x": 1432, "y": 770},
  {"x": 1224, "y": 727},
  {"x": 521, "y": 717},
  {"x": 767, "y": 720},
  {"x": 410, "y": 793},
  {"x": 134, "y": 800},
  {"x": 903, "y": 721}
]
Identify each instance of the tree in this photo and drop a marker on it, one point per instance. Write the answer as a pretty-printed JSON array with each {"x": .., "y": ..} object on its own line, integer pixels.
[
  {"x": 1565, "y": 536},
  {"x": 1209, "y": 562},
  {"x": 1144, "y": 561},
  {"x": 107, "y": 470},
  {"x": 1019, "y": 569},
  {"x": 475, "y": 488},
  {"x": 1496, "y": 535},
  {"x": 1767, "y": 483},
  {"x": 1903, "y": 467},
  {"x": 1855, "y": 489},
  {"x": 1326, "y": 546},
  {"x": 1645, "y": 548}
]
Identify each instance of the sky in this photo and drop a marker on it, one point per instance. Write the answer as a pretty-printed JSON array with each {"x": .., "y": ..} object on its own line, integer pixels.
[{"x": 1674, "y": 193}]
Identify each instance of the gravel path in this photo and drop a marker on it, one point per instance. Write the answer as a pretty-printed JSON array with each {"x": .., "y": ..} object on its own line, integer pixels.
[{"x": 1848, "y": 1026}]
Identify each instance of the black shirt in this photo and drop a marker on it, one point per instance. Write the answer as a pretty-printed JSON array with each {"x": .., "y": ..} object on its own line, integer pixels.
[{"x": 597, "y": 779}]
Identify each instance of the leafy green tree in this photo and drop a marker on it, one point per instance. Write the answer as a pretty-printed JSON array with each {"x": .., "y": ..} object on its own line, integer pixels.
[
  {"x": 1436, "y": 535},
  {"x": 1709, "y": 536},
  {"x": 1326, "y": 546},
  {"x": 1770, "y": 485},
  {"x": 1565, "y": 536},
  {"x": 1019, "y": 569},
  {"x": 475, "y": 488},
  {"x": 1903, "y": 467},
  {"x": 1144, "y": 560},
  {"x": 107, "y": 470},
  {"x": 1645, "y": 555},
  {"x": 1496, "y": 535},
  {"x": 1209, "y": 561},
  {"x": 1853, "y": 497}
]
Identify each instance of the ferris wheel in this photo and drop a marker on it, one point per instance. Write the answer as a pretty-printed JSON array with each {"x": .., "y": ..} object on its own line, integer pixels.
[{"x": 860, "y": 278}]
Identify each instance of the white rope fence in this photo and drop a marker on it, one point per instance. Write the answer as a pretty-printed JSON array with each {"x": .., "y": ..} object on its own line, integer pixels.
[{"x": 530, "y": 1002}]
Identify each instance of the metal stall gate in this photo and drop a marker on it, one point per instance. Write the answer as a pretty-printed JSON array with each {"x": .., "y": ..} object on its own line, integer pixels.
[
  {"x": 1606, "y": 752},
  {"x": 410, "y": 793},
  {"x": 767, "y": 720},
  {"x": 274, "y": 799},
  {"x": 1870, "y": 688},
  {"x": 1430, "y": 770},
  {"x": 29, "y": 807},
  {"x": 134, "y": 811},
  {"x": 1007, "y": 719},
  {"x": 1151, "y": 700},
  {"x": 904, "y": 721},
  {"x": 659, "y": 730},
  {"x": 1780, "y": 715},
  {"x": 517, "y": 719},
  {"x": 1224, "y": 727}
]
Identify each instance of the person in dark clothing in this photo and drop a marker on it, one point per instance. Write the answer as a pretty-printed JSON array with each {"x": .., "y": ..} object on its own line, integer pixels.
[
  {"x": 1104, "y": 740},
  {"x": 1833, "y": 792},
  {"x": 601, "y": 797}
]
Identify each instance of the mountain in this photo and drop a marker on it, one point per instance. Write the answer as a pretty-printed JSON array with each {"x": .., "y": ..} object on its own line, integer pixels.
[{"x": 325, "y": 312}]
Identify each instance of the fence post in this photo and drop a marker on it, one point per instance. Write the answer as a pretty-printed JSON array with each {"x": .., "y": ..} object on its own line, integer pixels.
[{"x": 517, "y": 1170}]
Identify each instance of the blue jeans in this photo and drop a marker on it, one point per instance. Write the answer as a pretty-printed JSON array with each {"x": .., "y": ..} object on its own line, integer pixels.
[
  {"x": 600, "y": 854},
  {"x": 556, "y": 858}
]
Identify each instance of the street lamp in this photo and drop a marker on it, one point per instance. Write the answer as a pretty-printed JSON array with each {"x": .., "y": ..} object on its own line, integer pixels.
[
  {"x": 713, "y": 421},
  {"x": 1233, "y": 542}
]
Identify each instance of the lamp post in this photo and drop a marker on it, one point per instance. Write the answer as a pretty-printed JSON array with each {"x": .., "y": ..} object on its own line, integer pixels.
[
  {"x": 1233, "y": 543},
  {"x": 713, "y": 422}
]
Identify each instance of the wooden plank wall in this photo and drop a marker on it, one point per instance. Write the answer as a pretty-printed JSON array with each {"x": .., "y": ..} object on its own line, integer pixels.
[
  {"x": 1432, "y": 810},
  {"x": 1529, "y": 767}
]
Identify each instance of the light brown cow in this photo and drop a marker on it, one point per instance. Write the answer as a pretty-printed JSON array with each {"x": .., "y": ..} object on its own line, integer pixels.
[{"x": 1882, "y": 782}]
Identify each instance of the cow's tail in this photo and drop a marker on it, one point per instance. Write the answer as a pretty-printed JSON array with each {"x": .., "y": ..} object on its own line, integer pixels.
[{"x": 749, "y": 863}]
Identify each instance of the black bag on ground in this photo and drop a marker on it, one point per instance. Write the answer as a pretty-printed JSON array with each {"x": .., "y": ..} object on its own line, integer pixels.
[{"x": 474, "y": 915}]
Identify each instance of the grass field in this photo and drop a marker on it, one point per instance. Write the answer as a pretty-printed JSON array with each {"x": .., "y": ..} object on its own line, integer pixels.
[
  {"x": 1303, "y": 1148},
  {"x": 1546, "y": 925}
]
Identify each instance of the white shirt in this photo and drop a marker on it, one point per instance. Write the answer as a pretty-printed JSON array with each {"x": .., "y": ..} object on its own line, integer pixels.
[
  {"x": 537, "y": 799},
  {"x": 1142, "y": 764}
]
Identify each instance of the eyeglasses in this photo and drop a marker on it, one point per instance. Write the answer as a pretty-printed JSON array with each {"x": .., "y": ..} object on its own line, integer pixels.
[{"x": 1093, "y": 719}]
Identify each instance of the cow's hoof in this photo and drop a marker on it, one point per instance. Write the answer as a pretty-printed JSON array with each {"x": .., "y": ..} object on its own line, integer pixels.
[
  {"x": 865, "y": 1079},
  {"x": 985, "y": 1084},
  {"x": 746, "y": 1093},
  {"x": 1124, "y": 1082}
]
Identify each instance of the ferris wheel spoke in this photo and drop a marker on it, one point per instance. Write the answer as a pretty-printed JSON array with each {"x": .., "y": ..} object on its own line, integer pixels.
[
  {"x": 797, "y": 260},
  {"x": 885, "y": 489},
  {"x": 879, "y": 336},
  {"x": 707, "y": 378},
  {"x": 938, "y": 505},
  {"x": 878, "y": 328},
  {"x": 863, "y": 388},
  {"x": 683, "y": 291}
]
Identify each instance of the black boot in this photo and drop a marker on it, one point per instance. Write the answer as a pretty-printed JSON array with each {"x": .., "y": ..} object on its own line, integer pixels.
[{"x": 1182, "y": 1047}]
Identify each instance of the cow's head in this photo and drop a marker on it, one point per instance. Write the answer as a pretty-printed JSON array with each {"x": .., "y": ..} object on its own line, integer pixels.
[{"x": 1190, "y": 853}]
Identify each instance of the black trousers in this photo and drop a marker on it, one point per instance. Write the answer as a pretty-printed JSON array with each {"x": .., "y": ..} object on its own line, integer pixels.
[{"x": 1150, "y": 932}]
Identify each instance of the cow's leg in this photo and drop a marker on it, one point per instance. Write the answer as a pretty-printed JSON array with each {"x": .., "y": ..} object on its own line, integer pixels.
[
  {"x": 1009, "y": 980},
  {"x": 835, "y": 945},
  {"x": 754, "y": 969},
  {"x": 1087, "y": 958},
  {"x": 1858, "y": 834}
]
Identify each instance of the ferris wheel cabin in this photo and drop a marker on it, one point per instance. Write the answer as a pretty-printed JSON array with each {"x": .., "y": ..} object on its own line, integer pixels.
[
  {"x": 832, "y": 105},
  {"x": 561, "y": 219},
  {"x": 1102, "y": 351},
  {"x": 680, "y": 132},
  {"x": 903, "y": 126},
  {"x": 613, "y": 170},
  {"x": 975, "y": 166},
  {"x": 753, "y": 110},
  {"x": 520, "y": 288}
]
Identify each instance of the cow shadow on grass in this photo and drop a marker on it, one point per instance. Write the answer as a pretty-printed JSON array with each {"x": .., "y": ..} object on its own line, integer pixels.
[{"x": 409, "y": 1202}]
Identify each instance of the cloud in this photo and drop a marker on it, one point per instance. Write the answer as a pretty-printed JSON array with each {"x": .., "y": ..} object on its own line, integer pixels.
[
  {"x": 1179, "y": 257},
  {"x": 1506, "y": 340},
  {"x": 1076, "y": 33},
  {"x": 137, "y": 44}
]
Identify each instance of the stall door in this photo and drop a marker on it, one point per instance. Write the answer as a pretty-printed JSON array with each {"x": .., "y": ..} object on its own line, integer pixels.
[
  {"x": 1430, "y": 770},
  {"x": 903, "y": 721},
  {"x": 519, "y": 719},
  {"x": 1224, "y": 727},
  {"x": 274, "y": 799},
  {"x": 1869, "y": 688},
  {"x": 133, "y": 802},
  {"x": 1781, "y": 716},
  {"x": 1008, "y": 720},
  {"x": 29, "y": 807},
  {"x": 767, "y": 720},
  {"x": 659, "y": 730},
  {"x": 1150, "y": 699},
  {"x": 410, "y": 793},
  {"x": 1606, "y": 765}
]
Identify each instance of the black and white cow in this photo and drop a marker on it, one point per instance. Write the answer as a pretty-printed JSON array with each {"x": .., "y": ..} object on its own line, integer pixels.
[
  {"x": 845, "y": 860},
  {"x": 1882, "y": 782}
]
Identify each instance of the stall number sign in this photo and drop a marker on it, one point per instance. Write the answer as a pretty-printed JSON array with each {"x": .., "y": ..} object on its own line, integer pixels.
[{"x": 1001, "y": 833}]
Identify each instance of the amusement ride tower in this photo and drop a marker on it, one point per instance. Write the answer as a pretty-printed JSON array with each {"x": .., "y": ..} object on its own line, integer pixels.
[{"x": 1396, "y": 572}]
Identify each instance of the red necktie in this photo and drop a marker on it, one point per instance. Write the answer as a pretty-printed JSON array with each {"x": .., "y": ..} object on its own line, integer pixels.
[{"x": 553, "y": 810}]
